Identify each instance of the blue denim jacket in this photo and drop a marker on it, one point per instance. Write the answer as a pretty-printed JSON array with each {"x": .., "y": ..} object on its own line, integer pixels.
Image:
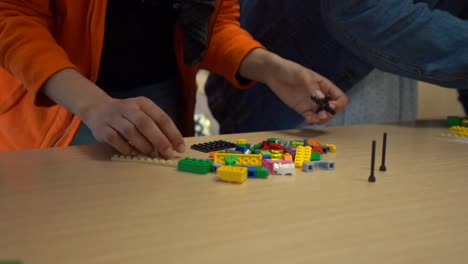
[
  {"x": 343, "y": 40},
  {"x": 403, "y": 37}
]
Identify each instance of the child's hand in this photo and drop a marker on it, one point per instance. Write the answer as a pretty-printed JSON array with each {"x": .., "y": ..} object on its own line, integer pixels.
[
  {"x": 133, "y": 126},
  {"x": 294, "y": 84}
]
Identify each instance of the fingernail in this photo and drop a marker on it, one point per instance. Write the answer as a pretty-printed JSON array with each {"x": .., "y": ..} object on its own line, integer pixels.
[
  {"x": 317, "y": 93},
  {"x": 181, "y": 148},
  {"x": 322, "y": 115},
  {"x": 168, "y": 153},
  {"x": 314, "y": 120}
]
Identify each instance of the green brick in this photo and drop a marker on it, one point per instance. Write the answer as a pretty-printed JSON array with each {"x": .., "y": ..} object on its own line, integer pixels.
[
  {"x": 315, "y": 156},
  {"x": 453, "y": 121},
  {"x": 198, "y": 166},
  {"x": 282, "y": 142},
  {"x": 296, "y": 143},
  {"x": 272, "y": 140},
  {"x": 255, "y": 147},
  {"x": 10, "y": 262},
  {"x": 262, "y": 172}
]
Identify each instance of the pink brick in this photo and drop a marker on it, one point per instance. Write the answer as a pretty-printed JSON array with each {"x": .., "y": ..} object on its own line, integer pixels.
[{"x": 269, "y": 163}]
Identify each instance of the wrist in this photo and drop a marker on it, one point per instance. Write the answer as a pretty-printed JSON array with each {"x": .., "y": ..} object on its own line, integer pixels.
[
  {"x": 74, "y": 92},
  {"x": 89, "y": 101},
  {"x": 260, "y": 65}
]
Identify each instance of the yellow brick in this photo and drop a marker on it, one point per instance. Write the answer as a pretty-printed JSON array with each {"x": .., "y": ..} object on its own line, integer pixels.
[
  {"x": 276, "y": 151},
  {"x": 276, "y": 156},
  {"x": 241, "y": 141},
  {"x": 232, "y": 174},
  {"x": 331, "y": 147},
  {"x": 302, "y": 155},
  {"x": 242, "y": 159}
]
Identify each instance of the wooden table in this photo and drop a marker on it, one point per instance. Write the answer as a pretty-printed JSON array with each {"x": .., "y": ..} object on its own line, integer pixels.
[{"x": 73, "y": 205}]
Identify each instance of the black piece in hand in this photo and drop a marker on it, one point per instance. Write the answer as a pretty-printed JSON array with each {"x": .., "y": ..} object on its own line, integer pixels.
[{"x": 323, "y": 104}]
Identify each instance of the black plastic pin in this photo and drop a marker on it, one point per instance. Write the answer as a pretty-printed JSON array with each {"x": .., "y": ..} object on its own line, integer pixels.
[
  {"x": 372, "y": 177},
  {"x": 384, "y": 150}
]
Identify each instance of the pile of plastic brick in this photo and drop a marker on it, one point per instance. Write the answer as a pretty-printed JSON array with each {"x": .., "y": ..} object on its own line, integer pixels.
[
  {"x": 241, "y": 160},
  {"x": 458, "y": 126}
]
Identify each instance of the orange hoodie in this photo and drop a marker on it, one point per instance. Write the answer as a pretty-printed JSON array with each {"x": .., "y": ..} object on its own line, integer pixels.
[{"x": 41, "y": 37}]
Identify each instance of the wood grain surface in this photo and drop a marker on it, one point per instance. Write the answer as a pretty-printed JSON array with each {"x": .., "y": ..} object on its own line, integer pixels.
[{"x": 74, "y": 205}]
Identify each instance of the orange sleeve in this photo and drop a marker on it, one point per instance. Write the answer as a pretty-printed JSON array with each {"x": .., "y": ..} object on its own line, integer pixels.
[
  {"x": 229, "y": 44},
  {"x": 28, "y": 50}
]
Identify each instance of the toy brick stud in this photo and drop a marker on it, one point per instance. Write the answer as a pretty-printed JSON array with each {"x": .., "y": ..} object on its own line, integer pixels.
[
  {"x": 144, "y": 159},
  {"x": 384, "y": 150},
  {"x": 372, "y": 177}
]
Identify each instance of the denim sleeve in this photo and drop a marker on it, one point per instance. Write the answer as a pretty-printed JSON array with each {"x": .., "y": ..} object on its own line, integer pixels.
[{"x": 402, "y": 37}]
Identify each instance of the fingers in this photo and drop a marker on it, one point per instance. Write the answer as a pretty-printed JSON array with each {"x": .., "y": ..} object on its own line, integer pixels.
[
  {"x": 167, "y": 127},
  {"x": 132, "y": 135},
  {"x": 322, "y": 88},
  {"x": 308, "y": 109},
  {"x": 338, "y": 98},
  {"x": 110, "y": 136},
  {"x": 136, "y": 125},
  {"x": 312, "y": 118},
  {"x": 144, "y": 132}
]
